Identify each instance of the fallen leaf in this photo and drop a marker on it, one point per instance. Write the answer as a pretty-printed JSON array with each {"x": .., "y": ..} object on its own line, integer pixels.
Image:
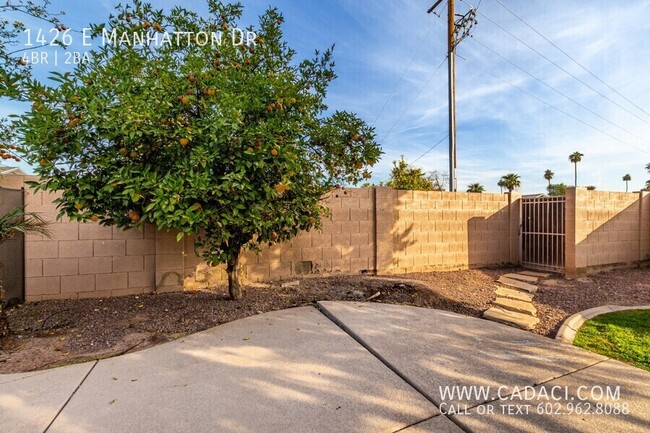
[
  {"x": 246, "y": 338},
  {"x": 112, "y": 401}
]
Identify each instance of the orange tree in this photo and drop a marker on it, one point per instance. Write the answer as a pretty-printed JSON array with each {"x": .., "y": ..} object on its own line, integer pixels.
[{"x": 232, "y": 143}]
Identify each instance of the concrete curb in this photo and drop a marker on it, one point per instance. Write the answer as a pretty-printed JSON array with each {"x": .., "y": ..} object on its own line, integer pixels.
[{"x": 570, "y": 327}]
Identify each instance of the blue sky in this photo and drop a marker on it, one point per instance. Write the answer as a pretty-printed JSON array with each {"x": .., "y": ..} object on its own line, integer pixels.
[{"x": 388, "y": 53}]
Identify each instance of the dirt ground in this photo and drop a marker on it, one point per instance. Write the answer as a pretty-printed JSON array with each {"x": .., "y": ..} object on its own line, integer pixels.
[{"x": 52, "y": 333}]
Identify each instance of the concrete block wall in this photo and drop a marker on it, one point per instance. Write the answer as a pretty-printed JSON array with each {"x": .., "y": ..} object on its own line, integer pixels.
[
  {"x": 377, "y": 230},
  {"x": 441, "y": 231},
  {"x": 83, "y": 260},
  {"x": 382, "y": 231},
  {"x": 605, "y": 230}
]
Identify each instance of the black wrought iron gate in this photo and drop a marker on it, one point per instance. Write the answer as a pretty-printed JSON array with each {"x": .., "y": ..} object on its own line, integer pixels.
[{"x": 543, "y": 233}]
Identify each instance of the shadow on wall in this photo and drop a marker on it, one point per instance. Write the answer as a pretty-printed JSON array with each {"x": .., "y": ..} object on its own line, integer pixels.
[{"x": 606, "y": 230}]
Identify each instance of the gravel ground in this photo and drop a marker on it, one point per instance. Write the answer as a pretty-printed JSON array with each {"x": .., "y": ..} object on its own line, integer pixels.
[{"x": 53, "y": 333}]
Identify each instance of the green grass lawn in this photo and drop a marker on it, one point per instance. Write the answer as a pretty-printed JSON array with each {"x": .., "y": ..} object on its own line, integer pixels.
[{"x": 623, "y": 335}]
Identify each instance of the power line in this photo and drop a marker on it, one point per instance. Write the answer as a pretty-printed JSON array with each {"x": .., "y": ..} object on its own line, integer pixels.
[
  {"x": 429, "y": 150},
  {"x": 413, "y": 100},
  {"x": 408, "y": 66},
  {"x": 560, "y": 92},
  {"x": 553, "y": 106},
  {"x": 562, "y": 69},
  {"x": 584, "y": 68}
]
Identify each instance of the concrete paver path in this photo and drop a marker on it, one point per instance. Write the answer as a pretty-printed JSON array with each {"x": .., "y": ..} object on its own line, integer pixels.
[{"x": 344, "y": 367}]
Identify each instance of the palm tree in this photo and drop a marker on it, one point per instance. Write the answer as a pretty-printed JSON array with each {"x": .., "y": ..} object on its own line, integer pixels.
[
  {"x": 475, "y": 187},
  {"x": 575, "y": 158},
  {"x": 548, "y": 175},
  {"x": 12, "y": 223},
  {"x": 501, "y": 185},
  {"x": 511, "y": 181},
  {"x": 627, "y": 178}
]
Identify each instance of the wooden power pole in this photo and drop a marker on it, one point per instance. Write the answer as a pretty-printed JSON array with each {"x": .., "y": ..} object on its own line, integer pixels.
[{"x": 464, "y": 23}]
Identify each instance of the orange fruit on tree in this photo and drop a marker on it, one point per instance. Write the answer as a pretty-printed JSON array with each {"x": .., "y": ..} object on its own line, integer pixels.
[
  {"x": 94, "y": 218},
  {"x": 211, "y": 92},
  {"x": 78, "y": 205},
  {"x": 191, "y": 78},
  {"x": 133, "y": 154},
  {"x": 274, "y": 152},
  {"x": 43, "y": 162},
  {"x": 184, "y": 141},
  {"x": 135, "y": 217},
  {"x": 122, "y": 150},
  {"x": 184, "y": 100}
]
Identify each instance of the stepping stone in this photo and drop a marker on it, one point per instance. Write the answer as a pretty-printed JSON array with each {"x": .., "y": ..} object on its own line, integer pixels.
[
  {"x": 516, "y": 306},
  {"x": 540, "y": 275},
  {"x": 520, "y": 277},
  {"x": 523, "y": 321},
  {"x": 514, "y": 294},
  {"x": 516, "y": 284}
]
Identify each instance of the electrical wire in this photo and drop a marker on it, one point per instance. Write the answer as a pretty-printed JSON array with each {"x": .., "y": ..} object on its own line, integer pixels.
[
  {"x": 560, "y": 92},
  {"x": 408, "y": 66},
  {"x": 413, "y": 100},
  {"x": 429, "y": 150},
  {"x": 562, "y": 69},
  {"x": 552, "y": 106},
  {"x": 584, "y": 68}
]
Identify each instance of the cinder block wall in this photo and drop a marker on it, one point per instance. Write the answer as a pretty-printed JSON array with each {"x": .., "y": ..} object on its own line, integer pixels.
[
  {"x": 606, "y": 230},
  {"x": 377, "y": 230},
  {"x": 440, "y": 231},
  {"x": 83, "y": 260}
]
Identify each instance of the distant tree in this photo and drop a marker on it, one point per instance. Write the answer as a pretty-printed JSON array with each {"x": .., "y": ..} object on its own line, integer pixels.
[
  {"x": 475, "y": 187},
  {"x": 556, "y": 189},
  {"x": 403, "y": 176},
  {"x": 647, "y": 184},
  {"x": 575, "y": 158},
  {"x": 591, "y": 187},
  {"x": 627, "y": 178},
  {"x": 548, "y": 175},
  {"x": 501, "y": 184},
  {"x": 511, "y": 181},
  {"x": 440, "y": 180}
]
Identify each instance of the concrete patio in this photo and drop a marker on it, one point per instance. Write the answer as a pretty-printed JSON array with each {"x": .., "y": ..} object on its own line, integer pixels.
[{"x": 341, "y": 367}]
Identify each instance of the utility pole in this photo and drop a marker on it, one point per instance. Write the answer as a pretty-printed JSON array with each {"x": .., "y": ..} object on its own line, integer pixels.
[{"x": 464, "y": 23}]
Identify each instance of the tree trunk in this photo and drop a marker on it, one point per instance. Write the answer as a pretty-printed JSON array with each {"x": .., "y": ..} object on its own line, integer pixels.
[
  {"x": 234, "y": 285},
  {"x": 575, "y": 178}
]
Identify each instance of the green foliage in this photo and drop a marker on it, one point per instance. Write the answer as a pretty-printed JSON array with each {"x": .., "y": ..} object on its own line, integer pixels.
[
  {"x": 511, "y": 181},
  {"x": 548, "y": 175},
  {"x": 623, "y": 335},
  {"x": 18, "y": 221},
  {"x": 403, "y": 176},
  {"x": 627, "y": 178},
  {"x": 14, "y": 72},
  {"x": 475, "y": 187},
  {"x": 556, "y": 189},
  {"x": 230, "y": 143},
  {"x": 591, "y": 187},
  {"x": 575, "y": 157}
]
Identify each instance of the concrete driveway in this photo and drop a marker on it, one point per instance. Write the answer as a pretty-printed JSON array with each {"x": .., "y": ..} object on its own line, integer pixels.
[{"x": 341, "y": 367}]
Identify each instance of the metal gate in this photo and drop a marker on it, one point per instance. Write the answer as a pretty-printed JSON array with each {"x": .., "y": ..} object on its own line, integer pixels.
[
  {"x": 543, "y": 233},
  {"x": 12, "y": 263}
]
